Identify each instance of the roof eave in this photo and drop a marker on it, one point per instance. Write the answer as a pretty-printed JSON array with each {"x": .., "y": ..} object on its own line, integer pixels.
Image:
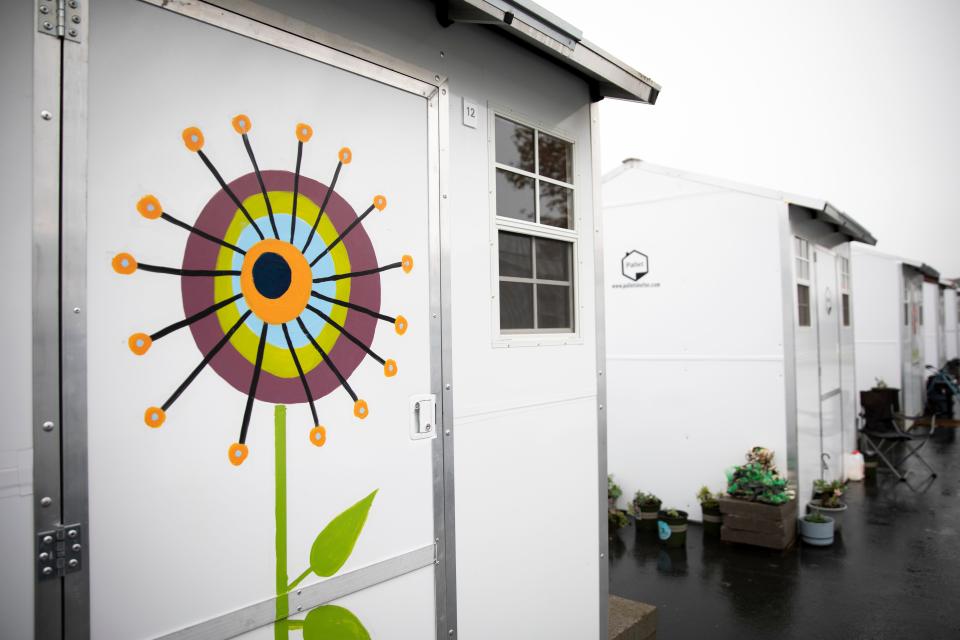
[{"x": 524, "y": 20}]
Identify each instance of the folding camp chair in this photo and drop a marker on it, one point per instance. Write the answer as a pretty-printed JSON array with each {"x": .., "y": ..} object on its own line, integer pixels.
[{"x": 883, "y": 428}]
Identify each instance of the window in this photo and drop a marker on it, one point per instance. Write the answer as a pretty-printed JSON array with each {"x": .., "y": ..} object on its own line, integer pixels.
[
  {"x": 906, "y": 305},
  {"x": 801, "y": 250},
  {"x": 845, "y": 290},
  {"x": 534, "y": 219}
]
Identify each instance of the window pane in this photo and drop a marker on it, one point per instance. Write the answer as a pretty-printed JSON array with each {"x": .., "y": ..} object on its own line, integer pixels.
[
  {"x": 803, "y": 305},
  {"x": 553, "y": 307},
  {"x": 556, "y": 205},
  {"x": 553, "y": 259},
  {"x": 556, "y": 158},
  {"x": 514, "y": 144},
  {"x": 846, "y": 309},
  {"x": 516, "y": 255},
  {"x": 515, "y": 198},
  {"x": 516, "y": 305}
]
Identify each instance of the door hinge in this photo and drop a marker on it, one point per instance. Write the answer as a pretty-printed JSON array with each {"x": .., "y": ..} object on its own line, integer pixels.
[
  {"x": 59, "y": 551},
  {"x": 59, "y": 18}
]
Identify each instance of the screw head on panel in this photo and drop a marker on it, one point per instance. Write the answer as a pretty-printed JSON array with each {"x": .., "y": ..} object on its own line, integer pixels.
[
  {"x": 72, "y": 533},
  {"x": 46, "y": 115},
  {"x": 447, "y": 432},
  {"x": 76, "y": 547},
  {"x": 44, "y": 9},
  {"x": 76, "y": 309},
  {"x": 75, "y": 19},
  {"x": 44, "y": 556},
  {"x": 47, "y": 539},
  {"x": 48, "y": 26},
  {"x": 46, "y": 502},
  {"x": 74, "y": 4},
  {"x": 73, "y": 563},
  {"x": 73, "y": 33},
  {"x": 48, "y": 426},
  {"x": 48, "y": 571},
  {"x": 447, "y": 387}
]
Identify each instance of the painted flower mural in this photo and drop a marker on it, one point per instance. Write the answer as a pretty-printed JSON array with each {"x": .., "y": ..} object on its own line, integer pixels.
[
  {"x": 280, "y": 287},
  {"x": 281, "y": 292}
]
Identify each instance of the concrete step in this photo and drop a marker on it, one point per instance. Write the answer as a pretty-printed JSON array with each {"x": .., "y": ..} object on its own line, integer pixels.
[{"x": 631, "y": 620}]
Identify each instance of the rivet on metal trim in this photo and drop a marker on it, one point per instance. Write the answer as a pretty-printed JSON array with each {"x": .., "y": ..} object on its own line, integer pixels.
[
  {"x": 47, "y": 426},
  {"x": 46, "y": 115},
  {"x": 46, "y": 502},
  {"x": 76, "y": 309}
]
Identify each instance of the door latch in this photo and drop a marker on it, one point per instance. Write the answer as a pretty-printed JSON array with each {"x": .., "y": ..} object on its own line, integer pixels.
[{"x": 423, "y": 417}]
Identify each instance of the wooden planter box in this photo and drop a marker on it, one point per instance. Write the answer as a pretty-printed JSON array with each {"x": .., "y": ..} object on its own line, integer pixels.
[{"x": 756, "y": 523}]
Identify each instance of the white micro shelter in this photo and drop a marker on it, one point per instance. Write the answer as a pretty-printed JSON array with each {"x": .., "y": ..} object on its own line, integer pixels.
[
  {"x": 889, "y": 324},
  {"x": 724, "y": 300},
  {"x": 951, "y": 318},
  {"x": 934, "y": 323},
  {"x": 360, "y": 232}
]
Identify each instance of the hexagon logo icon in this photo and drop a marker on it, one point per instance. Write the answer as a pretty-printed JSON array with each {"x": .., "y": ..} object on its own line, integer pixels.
[{"x": 634, "y": 265}]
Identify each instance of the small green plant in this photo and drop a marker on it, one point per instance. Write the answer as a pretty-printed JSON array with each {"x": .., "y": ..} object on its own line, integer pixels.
[
  {"x": 829, "y": 492},
  {"x": 758, "y": 480},
  {"x": 707, "y": 499},
  {"x": 815, "y": 517},
  {"x": 879, "y": 383},
  {"x": 673, "y": 513},
  {"x": 644, "y": 499},
  {"x": 616, "y": 519},
  {"x": 613, "y": 489}
]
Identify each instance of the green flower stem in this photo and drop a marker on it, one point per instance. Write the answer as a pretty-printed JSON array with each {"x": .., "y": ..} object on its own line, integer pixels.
[
  {"x": 280, "y": 629},
  {"x": 300, "y": 578}
]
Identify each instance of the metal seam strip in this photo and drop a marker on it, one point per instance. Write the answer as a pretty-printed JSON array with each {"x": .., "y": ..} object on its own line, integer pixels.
[{"x": 230, "y": 625}]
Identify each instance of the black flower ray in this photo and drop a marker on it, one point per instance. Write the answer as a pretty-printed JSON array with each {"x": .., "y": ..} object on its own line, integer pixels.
[
  {"x": 191, "y": 319},
  {"x": 346, "y": 333},
  {"x": 206, "y": 359},
  {"x": 203, "y": 234},
  {"x": 323, "y": 206},
  {"x": 328, "y": 360},
  {"x": 229, "y": 192},
  {"x": 343, "y": 235},
  {"x": 357, "y": 274},
  {"x": 185, "y": 272},
  {"x": 296, "y": 190},
  {"x": 355, "y": 307},
  {"x": 253, "y": 384},
  {"x": 263, "y": 188},
  {"x": 303, "y": 378}
]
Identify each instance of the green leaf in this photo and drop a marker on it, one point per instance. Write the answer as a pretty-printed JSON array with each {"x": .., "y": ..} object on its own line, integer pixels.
[
  {"x": 335, "y": 543},
  {"x": 331, "y": 622}
]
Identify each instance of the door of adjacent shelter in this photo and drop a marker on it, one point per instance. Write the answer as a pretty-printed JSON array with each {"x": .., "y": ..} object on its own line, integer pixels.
[
  {"x": 828, "y": 347},
  {"x": 911, "y": 344},
  {"x": 264, "y": 344}
]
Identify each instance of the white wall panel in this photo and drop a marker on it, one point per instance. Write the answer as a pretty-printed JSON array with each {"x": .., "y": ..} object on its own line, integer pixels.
[{"x": 950, "y": 323}]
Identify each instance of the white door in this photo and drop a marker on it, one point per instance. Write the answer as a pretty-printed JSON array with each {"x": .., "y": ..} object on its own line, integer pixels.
[
  {"x": 261, "y": 350},
  {"x": 828, "y": 349},
  {"x": 912, "y": 347}
]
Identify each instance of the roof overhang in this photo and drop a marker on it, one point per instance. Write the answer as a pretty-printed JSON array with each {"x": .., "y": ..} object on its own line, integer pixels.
[
  {"x": 829, "y": 214},
  {"x": 552, "y": 37},
  {"x": 929, "y": 272}
]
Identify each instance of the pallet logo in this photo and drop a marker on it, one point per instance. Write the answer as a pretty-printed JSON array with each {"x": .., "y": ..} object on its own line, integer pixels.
[{"x": 634, "y": 265}]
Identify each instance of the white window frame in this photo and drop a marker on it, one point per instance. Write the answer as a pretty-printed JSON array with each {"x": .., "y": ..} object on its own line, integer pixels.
[
  {"x": 807, "y": 257},
  {"x": 846, "y": 318},
  {"x": 532, "y": 337}
]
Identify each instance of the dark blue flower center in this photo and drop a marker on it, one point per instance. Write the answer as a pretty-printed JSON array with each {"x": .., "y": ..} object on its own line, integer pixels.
[{"x": 271, "y": 275}]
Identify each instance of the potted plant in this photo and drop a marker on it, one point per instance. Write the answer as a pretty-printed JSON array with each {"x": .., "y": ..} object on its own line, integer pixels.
[
  {"x": 760, "y": 509},
  {"x": 644, "y": 508},
  {"x": 613, "y": 492},
  {"x": 710, "y": 505},
  {"x": 616, "y": 520},
  {"x": 827, "y": 501},
  {"x": 672, "y": 527},
  {"x": 817, "y": 529}
]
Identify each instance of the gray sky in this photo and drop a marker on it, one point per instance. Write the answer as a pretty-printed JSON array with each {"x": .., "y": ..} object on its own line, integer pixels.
[{"x": 854, "y": 101}]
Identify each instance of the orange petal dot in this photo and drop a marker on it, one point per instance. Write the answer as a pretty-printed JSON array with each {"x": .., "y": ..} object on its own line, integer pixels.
[
  {"x": 304, "y": 132},
  {"x": 360, "y": 409},
  {"x": 139, "y": 343},
  {"x": 318, "y": 436},
  {"x": 400, "y": 325},
  {"x": 345, "y": 155},
  {"x": 154, "y": 417},
  {"x": 149, "y": 207},
  {"x": 124, "y": 263},
  {"x": 380, "y": 202},
  {"x": 406, "y": 263},
  {"x": 237, "y": 453},
  {"x": 390, "y": 368},
  {"x": 193, "y": 138},
  {"x": 241, "y": 123}
]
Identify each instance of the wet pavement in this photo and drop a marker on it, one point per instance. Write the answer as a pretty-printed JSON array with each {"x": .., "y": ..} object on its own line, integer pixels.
[{"x": 893, "y": 573}]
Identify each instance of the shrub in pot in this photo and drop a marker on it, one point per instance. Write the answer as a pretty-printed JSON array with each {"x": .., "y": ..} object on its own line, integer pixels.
[
  {"x": 758, "y": 480},
  {"x": 710, "y": 505},
  {"x": 817, "y": 529},
  {"x": 644, "y": 508},
  {"x": 613, "y": 492},
  {"x": 672, "y": 527},
  {"x": 616, "y": 520},
  {"x": 827, "y": 502}
]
